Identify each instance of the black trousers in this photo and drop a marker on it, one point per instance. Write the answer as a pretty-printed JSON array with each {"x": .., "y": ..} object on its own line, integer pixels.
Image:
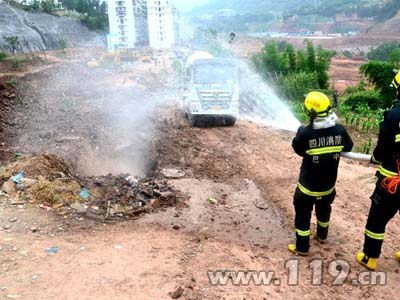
[
  {"x": 384, "y": 207},
  {"x": 303, "y": 205}
]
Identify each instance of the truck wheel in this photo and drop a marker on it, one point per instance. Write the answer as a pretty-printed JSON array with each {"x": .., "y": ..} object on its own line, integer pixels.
[
  {"x": 193, "y": 120},
  {"x": 230, "y": 121}
]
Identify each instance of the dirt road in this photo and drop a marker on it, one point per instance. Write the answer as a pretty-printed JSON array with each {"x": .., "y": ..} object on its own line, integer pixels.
[{"x": 250, "y": 172}]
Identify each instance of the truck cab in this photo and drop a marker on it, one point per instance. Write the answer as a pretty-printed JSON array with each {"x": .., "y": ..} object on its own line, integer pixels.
[{"x": 211, "y": 89}]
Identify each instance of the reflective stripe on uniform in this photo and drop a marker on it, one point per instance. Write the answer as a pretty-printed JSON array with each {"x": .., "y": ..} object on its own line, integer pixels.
[
  {"x": 375, "y": 236},
  {"x": 397, "y": 140},
  {"x": 325, "y": 150},
  {"x": 375, "y": 160},
  {"x": 386, "y": 172},
  {"x": 323, "y": 224},
  {"x": 314, "y": 194},
  {"x": 303, "y": 233}
]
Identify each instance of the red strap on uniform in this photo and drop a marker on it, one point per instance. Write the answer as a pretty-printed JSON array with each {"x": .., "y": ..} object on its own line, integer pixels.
[{"x": 391, "y": 183}]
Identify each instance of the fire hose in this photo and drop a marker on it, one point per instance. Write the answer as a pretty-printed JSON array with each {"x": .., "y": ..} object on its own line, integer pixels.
[
  {"x": 389, "y": 183},
  {"x": 356, "y": 156}
]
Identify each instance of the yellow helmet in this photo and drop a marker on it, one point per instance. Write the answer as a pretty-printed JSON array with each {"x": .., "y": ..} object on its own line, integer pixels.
[
  {"x": 396, "y": 81},
  {"x": 317, "y": 104}
]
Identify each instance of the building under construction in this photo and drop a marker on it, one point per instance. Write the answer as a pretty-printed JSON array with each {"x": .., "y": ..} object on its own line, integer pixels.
[{"x": 135, "y": 23}]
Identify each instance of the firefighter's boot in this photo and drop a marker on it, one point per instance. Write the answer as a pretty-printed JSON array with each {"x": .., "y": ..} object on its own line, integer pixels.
[
  {"x": 292, "y": 248},
  {"x": 368, "y": 262}
]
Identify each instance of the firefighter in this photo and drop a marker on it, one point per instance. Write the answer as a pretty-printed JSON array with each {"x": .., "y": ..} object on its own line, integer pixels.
[
  {"x": 320, "y": 144},
  {"x": 386, "y": 196}
]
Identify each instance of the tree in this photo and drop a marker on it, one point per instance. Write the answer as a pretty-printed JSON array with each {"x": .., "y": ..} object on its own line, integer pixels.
[
  {"x": 311, "y": 61},
  {"x": 47, "y": 6},
  {"x": 294, "y": 73},
  {"x": 93, "y": 12},
  {"x": 383, "y": 51},
  {"x": 394, "y": 57},
  {"x": 380, "y": 74},
  {"x": 291, "y": 58},
  {"x": 322, "y": 64},
  {"x": 272, "y": 60}
]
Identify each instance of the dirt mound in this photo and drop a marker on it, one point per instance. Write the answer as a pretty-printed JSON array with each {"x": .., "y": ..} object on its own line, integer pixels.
[
  {"x": 8, "y": 97},
  {"x": 48, "y": 166}
]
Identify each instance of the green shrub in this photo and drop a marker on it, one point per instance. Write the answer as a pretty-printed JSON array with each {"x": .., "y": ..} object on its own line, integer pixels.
[
  {"x": 361, "y": 87},
  {"x": 381, "y": 74},
  {"x": 370, "y": 98},
  {"x": 294, "y": 86},
  {"x": 383, "y": 51},
  {"x": 15, "y": 61},
  {"x": 347, "y": 54},
  {"x": 298, "y": 110},
  {"x": 3, "y": 55}
]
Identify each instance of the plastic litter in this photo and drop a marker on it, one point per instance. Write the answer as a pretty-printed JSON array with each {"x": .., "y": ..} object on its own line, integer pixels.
[
  {"x": 84, "y": 194},
  {"x": 213, "y": 201},
  {"x": 132, "y": 180},
  {"x": 17, "y": 178},
  {"x": 52, "y": 250}
]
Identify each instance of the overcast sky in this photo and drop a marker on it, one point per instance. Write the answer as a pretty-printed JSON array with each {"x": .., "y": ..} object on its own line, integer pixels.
[{"x": 186, "y": 5}]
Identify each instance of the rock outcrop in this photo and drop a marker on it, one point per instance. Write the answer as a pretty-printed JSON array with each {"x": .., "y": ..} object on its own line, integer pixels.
[{"x": 38, "y": 31}]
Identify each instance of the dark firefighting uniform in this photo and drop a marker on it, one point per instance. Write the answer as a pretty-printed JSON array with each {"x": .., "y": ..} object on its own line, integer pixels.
[
  {"x": 384, "y": 205},
  {"x": 320, "y": 149}
]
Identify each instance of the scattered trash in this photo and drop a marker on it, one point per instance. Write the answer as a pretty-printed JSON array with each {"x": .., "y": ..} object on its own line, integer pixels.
[
  {"x": 54, "y": 186},
  {"x": 118, "y": 247},
  {"x": 172, "y": 173},
  {"x": 18, "y": 155},
  {"x": 12, "y": 220},
  {"x": 177, "y": 293},
  {"x": 34, "y": 229},
  {"x": 35, "y": 277},
  {"x": 52, "y": 250},
  {"x": 44, "y": 206},
  {"x": 213, "y": 201},
  {"x": 84, "y": 194},
  {"x": 17, "y": 178},
  {"x": 17, "y": 202},
  {"x": 132, "y": 180},
  {"x": 79, "y": 207},
  {"x": 13, "y": 296}
]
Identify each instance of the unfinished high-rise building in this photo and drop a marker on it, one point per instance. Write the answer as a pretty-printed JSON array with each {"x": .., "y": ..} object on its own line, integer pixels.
[
  {"x": 163, "y": 19},
  {"x": 128, "y": 23},
  {"x": 141, "y": 22},
  {"x": 135, "y": 23}
]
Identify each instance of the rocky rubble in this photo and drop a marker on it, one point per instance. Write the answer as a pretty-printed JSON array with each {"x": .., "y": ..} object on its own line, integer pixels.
[{"x": 48, "y": 182}]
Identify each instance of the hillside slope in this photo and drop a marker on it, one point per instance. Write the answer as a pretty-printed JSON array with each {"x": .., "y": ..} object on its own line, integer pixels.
[
  {"x": 390, "y": 28},
  {"x": 38, "y": 32},
  {"x": 249, "y": 6}
]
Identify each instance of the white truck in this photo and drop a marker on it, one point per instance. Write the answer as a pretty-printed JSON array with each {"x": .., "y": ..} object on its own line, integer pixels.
[{"x": 211, "y": 89}]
